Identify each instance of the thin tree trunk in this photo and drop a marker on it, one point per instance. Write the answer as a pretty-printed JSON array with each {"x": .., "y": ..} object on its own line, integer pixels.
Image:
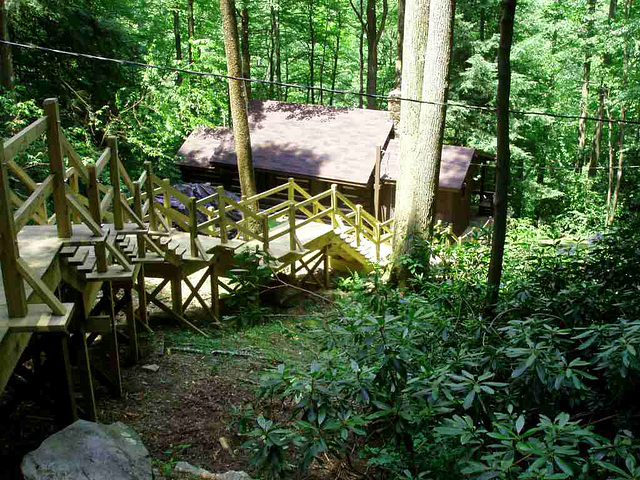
[
  {"x": 400, "y": 42},
  {"x": 597, "y": 138},
  {"x": 374, "y": 33},
  {"x": 504, "y": 154},
  {"x": 482, "y": 22},
  {"x": 623, "y": 117},
  {"x": 611, "y": 158},
  {"x": 334, "y": 73},
  {"x": 322, "y": 61},
  {"x": 584, "y": 98},
  {"x": 6, "y": 60},
  {"x": 312, "y": 41},
  {"x": 278, "y": 54},
  {"x": 192, "y": 28},
  {"x": 246, "y": 59},
  {"x": 238, "y": 103},
  {"x": 361, "y": 51},
  {"x": 272, "y": 51},
  {"x": 178, "y": 39}
]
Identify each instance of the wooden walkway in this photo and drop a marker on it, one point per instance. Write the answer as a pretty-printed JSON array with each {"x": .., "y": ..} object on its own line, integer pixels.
[{"x": 102, "y": 241}]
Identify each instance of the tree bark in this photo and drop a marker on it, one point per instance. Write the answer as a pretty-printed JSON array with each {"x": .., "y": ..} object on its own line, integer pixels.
[
  {"x": 192, "y": 29},
  {"x": 312, "y": 41},
  {"x": 322, "y": 61},
  {"x": 6, "y": 60},
  {"x": 426, "y": 67},
  {"x": 178, "y": 39},
  {"x": 238, "y": 103},
  {"x": 584, "y": 98},
  {"x": 278, "y": 54},
  {"x": 246, "y": 60},
  {"x": 623, "y": 117},
  {"x": 361, "y": 51},
  {"x": 400, "y": 42},
  {"x": 594, "y": 157},
  {"x": 373, "y": 33},
  {"x": 504, "y": 154},
  {"x": 334, "y": 73}
]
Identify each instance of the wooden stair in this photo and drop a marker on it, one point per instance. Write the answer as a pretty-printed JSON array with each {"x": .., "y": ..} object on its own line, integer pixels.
[{"x": 365, "y": 253}]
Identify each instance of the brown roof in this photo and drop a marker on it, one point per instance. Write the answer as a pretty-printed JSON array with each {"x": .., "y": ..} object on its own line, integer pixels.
[
  {"x": 329, "y": 143},
  {"x": 453, "y": 168}
]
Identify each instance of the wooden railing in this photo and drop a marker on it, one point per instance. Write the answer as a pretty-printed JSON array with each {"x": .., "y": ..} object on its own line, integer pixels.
[
  {"x": 64, "y": 183},
  {"x": 265, "y": 226}
]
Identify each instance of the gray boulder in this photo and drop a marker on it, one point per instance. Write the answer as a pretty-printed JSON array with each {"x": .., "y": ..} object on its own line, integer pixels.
[
  {"x": 89, "y": 451},
  {"x": 192, "y": 472}
]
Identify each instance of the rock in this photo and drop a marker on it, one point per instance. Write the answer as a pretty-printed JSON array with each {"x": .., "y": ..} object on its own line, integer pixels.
[
  {"x": 89, "y": 451},
  {"x": 196, "y": 472},
  {"x": 152, "y": 367}
]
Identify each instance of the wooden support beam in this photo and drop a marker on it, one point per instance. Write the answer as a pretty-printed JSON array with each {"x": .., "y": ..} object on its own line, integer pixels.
[
  {"x": 224, "y": 237},
  {"x": 12, "y": 280},
  {"x": 174, "y": 315},
  {"x": 63, "y": 384},
  {"x": 40, "y": 288},
  {"x": 215, "y": 292},
  {"x": 28, "y": 209},
  {"x": 25, "y": 137},
  {"x": 77, "y": 207},
  {"x": 131, "y": 328},
  {"x": 142, "y": 297},
  {"x": 114, "y": 354},
  {"x": 176, "y": 292},
  {"x": 56, "y": 163},
  {"x": 153, "y": 223}
]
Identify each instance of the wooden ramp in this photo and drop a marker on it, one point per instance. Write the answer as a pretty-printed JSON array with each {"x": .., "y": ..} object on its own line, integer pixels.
[{"x": 101, "y": 242}]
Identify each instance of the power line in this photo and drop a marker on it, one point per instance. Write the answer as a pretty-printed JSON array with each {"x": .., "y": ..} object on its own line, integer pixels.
[{"x": 298, "y": 86}]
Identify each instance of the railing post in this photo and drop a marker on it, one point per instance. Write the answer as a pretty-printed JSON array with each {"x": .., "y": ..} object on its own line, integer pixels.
[
  {"x": 137, "y": 206},
  {"x": 265, "y": 232},
  {"x": 358, "y": 223},
  {"x": 377, "y": 233},
  {"x": 334, "y": 205},
  {"x": 9, "y": 253},
  {"x": 291, "y": 191},
  {"x": 153, "y": 221},
  {"x": 56, "y": 165},
  {"x": 222, "y": 215},
  {"x": 166, "y": 202},
  {"x": 114, "y": 170},
  {"x": 75, "y": 186},
  {"x": 243, "y": 199},
  {"x": 94, "y": 195},
  {"x": 292, "y": 228},
  {"x": 94, "y": 208},
  {"x": 193, "y": 216}
]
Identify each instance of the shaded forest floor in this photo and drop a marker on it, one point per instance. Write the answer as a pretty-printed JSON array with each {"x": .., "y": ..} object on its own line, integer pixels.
[{"x": 189, "y": 408}]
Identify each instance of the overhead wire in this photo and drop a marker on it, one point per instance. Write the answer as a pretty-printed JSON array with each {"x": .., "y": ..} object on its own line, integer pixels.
[{"x": 299, "y": 86}]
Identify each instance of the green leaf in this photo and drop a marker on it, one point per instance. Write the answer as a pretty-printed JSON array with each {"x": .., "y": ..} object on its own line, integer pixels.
[
  {"x": 520, "y": 423},
  {"x": 468, "y": 401}
]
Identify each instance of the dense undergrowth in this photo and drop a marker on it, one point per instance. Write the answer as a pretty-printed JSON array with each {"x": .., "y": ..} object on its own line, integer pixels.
[{"x": 418, "y": 383}]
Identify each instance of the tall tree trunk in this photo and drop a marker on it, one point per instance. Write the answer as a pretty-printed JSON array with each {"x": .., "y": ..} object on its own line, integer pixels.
[
  {"x": 238, "y": 103},
  {"x": 334, "y": 73},
  {"x": 482, "y": 21},
  {"x": 400, "y": 42},
  {"x": 272, "y": 51},
  {"x": 611, "y": 157},
  {"x": 597, "y": 138},
  {"x": 374, "y": 33},
  {"x": 504, "y": 154},
  {"x": 192, "y": 28},
  {"x": 426, "y": 66},
  {"x": 178, "y": 39},
  {"x": 322, "y": 61},
  {"x": 278, "y": 54},
  {"x": 6, "y": 61},
  {"x": 361, "y": 51},
  {"x": 623, "y": 117},
  {"x": 312, "y": 41},
  {"x": 584, "y": 98},
  {"x": 246, "y": 59}
]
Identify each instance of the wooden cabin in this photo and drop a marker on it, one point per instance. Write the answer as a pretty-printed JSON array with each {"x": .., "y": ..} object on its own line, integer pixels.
[{"x": 320, "y": 145}]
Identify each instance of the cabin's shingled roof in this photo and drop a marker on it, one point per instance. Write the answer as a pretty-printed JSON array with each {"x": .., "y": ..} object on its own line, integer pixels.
[
  {"x": 328, "y": 143},
  {"x": 453, "y": 168}
]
